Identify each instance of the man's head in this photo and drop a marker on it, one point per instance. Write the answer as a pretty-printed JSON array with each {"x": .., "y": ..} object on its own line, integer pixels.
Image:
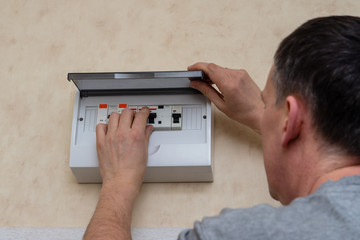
[
  {"x": 316, "y": 73},
  {"x": 320, "y": 62}
]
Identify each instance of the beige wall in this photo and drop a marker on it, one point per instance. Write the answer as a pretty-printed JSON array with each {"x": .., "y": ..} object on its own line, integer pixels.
[{"x": 41, "y": 41}]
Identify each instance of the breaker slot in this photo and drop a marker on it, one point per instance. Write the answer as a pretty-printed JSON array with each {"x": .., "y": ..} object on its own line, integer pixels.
[
  {"x": 102, "y": 114},
  {"x": 162, "y": 117}
]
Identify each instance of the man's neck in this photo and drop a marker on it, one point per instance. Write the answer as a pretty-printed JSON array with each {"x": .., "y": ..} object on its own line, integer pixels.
[
  {"x": 314, "y": 168},
  {"x": 336, "y": 175}
]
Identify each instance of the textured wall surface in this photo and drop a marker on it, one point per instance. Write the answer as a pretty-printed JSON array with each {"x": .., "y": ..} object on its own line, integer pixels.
[{"x": 41, "y": 41}]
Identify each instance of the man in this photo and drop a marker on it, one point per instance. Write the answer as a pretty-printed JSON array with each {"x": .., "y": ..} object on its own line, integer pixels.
[{"x": 309, "y": 118}]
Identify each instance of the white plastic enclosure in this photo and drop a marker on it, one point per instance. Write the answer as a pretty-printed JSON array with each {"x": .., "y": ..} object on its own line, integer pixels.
[{"x": 174, "y": 155}]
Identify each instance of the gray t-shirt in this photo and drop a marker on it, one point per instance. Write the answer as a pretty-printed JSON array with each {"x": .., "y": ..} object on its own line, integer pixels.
[{"x": 332, "y": 212}]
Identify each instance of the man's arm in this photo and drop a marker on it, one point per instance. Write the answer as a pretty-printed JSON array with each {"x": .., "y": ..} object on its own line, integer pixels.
[
  {"x": 238, "y": 97},
  {"x": 122, "y": 152}
]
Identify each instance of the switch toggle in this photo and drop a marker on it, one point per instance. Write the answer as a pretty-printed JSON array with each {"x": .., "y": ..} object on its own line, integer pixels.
[
  {"x": 176, "y": 112},
  {"x": 176, "y": 117},
  {"x": 151, "y": 118}
]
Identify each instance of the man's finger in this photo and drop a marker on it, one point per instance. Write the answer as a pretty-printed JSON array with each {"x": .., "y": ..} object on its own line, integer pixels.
[
  {"x": 208, "y": 91},
  {"x": 216, "y": 73},
  {"x": 198, "y": 66},
  {"x": 127, "y": 117},
  {"x": 113, "y": 122},
  {"x": 149, "y": 129},
  {"x": 141, "y": 119},
  {"x": 100, "y": 134}
]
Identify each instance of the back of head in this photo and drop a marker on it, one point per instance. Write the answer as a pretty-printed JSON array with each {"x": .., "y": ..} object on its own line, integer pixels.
[{"x": 320, "y": 63}]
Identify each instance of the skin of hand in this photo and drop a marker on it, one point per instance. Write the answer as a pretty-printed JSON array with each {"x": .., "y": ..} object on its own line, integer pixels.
[
  {"x": 238, "y": 97},
  {"x": 122, "y": 147}
]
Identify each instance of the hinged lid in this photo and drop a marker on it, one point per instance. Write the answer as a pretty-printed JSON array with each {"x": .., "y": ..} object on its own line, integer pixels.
[{"x": 129, "y": 83}]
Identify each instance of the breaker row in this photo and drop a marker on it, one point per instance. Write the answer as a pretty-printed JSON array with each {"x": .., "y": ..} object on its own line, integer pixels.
[{"x": 162, "y": 117}]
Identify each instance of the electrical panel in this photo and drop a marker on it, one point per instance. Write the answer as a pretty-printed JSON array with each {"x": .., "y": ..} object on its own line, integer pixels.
[{"x": 180, "y": 147}]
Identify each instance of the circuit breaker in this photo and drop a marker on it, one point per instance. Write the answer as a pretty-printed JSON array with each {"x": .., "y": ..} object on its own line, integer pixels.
[
  {"x": 180, "y": 147},
  {"x": 162, "y": 117}
]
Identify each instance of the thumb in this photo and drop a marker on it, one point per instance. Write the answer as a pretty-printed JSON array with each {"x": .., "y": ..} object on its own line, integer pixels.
[
  {"x": 149, "y": 129},
  {"x": 208, "y": 91}
]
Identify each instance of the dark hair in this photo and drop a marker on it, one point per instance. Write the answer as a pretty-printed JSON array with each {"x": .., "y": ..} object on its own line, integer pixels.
[{"x": 320, "y": 63}]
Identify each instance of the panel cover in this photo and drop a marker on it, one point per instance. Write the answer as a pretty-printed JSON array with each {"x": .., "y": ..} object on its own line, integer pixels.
[{"x": 134, "y": 80}]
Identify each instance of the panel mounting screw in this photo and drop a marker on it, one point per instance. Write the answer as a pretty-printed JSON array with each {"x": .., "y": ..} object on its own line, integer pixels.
[
  {"x": 204, "y": 117},
  {"x": 81, "y": 119}
]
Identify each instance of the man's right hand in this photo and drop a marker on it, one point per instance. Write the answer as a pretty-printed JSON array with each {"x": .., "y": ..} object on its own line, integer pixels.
[{"x": 239, "y": 97}]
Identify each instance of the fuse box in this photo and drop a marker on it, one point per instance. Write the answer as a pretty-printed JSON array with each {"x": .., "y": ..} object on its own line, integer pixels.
[
  {"x": 180, "y": 147},
  {"x": 162, "y": 117}
]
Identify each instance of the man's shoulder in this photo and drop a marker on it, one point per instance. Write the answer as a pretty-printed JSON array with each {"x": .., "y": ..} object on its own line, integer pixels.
[
  {"x": 348, "y": 184},
  {"x": 331, "y": 212}
]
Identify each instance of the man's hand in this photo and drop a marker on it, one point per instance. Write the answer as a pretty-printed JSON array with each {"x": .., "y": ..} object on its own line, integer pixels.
[
  {"x": 239, "y": 97},
  {"x": 122, "y": 147}
]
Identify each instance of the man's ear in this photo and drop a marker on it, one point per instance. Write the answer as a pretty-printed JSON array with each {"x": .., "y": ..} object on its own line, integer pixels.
[{"x": 293, "y": 121}]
